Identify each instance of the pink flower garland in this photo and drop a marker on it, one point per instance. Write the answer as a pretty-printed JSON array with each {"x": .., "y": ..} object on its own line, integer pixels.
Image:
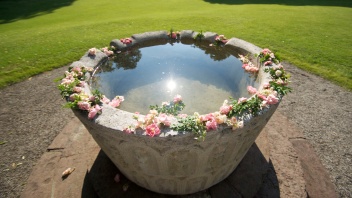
[
  {"x": 126, "y": 41},
  {"x": 247, "y": 64},
  {"x": 153, "y": 121}
]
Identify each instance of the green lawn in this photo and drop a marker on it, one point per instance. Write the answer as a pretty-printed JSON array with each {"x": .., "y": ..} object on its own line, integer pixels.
[{"x": 40, "y": 35}]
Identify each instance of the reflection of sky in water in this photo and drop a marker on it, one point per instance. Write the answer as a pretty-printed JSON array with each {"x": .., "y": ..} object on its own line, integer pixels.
[{"x": 166, "y": 70}]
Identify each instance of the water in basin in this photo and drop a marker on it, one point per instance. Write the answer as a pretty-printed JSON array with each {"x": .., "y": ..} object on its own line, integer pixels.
[{"x": 203, "y": 75}]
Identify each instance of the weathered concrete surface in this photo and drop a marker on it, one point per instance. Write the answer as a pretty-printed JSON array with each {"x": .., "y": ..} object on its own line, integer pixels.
[
  {"x": 73, "y": 147},
  {"x": 277, "y": 163}
]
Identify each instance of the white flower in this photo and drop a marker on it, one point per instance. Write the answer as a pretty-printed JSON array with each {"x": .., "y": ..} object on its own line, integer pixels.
[
  {"x": 278, "y": 73},
  {"x": 240, "y": 124}
]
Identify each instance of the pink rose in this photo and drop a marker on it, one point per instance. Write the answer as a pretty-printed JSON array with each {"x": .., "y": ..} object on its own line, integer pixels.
[
  {"x": 126, "y": 41},
  {"x": 207, "y": 117},
  {"x": 268, "y": 63},
  {"x": 152, "y": 130},
  {"x": 173, "y": 35},
  {"x": 202, "y": 118},
  {"x": 81, "y": 83},
  {"x": 105, "y": 100},
  {"x": 73, "y": 97},
  {"x": 251, "y": 90},
  {"x": 77, "y": 89},
  {"x": 115, "y": 103},
  {"x": 97, "y": 107},
  {"x": 261, "y": 96},
  {"x": 211, "y": 125},
  {"x": 107, "y": 51},
  {"x": 272, "y": 99},
  {"x": 163, "y": 118},
  {"x": 225, "y": 109},
  {"x": 244, "y": 65},
  {"x": 92, "y": 98},
  {"x": 92, "y": 51},
  {"x": 242, "y": 100},
  {"x": 266, "y": 51},
  {"x": 69, "y": 75},
  {"x": 177, "y": 98},
  {"x": 251, "y": 69},
  {"x": 182, "y": 115},
  {"x": 128, "y": 130},
  {"x": 93, "y": 111},
  {"x": 66, "y": 81},
  {"x": 83, "y": 105},
  {"x": 76, "y": 69},
  {"x": 254, "y": 69}
]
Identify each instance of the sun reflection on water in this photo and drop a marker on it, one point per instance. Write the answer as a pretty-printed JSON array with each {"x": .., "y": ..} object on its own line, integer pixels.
[{"x": 171, "y": 85}]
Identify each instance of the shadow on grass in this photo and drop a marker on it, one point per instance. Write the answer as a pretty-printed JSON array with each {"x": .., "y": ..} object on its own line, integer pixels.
[
  {"x": 13, "y": 10},
  {"x": 341, "y": 3}
]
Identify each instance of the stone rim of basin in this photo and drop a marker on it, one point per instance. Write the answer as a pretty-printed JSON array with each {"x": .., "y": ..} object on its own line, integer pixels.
[{"x": 117, "y": 119}]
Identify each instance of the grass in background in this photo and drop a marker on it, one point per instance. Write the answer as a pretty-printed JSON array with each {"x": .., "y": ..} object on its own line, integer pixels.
[{"x": 40, "y": 35}]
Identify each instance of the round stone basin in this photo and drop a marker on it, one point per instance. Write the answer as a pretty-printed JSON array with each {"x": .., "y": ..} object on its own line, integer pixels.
[
  {"x": 175, "y": 163},
  {"x": 203, "y": 75}
]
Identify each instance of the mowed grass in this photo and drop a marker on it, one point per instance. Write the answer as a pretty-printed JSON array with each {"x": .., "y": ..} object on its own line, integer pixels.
[{"x": 39, "y": 35}]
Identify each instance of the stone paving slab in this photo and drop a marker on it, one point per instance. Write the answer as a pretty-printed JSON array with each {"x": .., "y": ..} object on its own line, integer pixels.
[
  {"x": 73, "y": 147},
  {"x": 314, "y": 173},
  {"x": 280, "y": 164},
  {"x": 302, "y": 159}
]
